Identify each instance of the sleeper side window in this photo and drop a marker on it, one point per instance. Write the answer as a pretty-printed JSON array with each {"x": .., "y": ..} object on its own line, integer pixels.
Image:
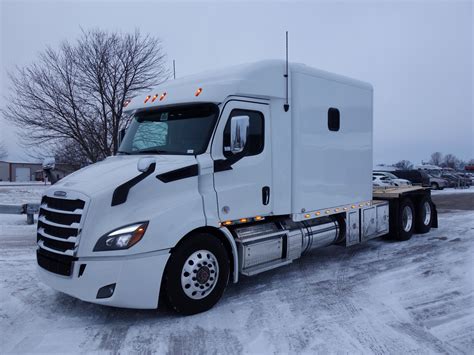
[
  {"x": 255, "y": 141},
  {"x": 334, "y": 121}
]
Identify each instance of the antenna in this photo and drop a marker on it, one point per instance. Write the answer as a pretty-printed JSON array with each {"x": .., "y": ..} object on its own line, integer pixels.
[
  {"x": 286, "y": 106},
  {"x": 174, "y": 69}
]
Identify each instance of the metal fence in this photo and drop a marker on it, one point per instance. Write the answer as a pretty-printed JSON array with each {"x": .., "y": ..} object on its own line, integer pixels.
[{"x": 28, "y": 208}]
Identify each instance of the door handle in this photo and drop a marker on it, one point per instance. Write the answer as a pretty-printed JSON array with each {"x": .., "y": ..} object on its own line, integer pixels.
[{"x": 265, "y": 195}]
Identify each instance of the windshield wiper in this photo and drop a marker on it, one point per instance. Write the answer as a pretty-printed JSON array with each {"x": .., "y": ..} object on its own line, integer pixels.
[
  {"x": 121, "y": 152},
  {"x": 154, "y": 151}
]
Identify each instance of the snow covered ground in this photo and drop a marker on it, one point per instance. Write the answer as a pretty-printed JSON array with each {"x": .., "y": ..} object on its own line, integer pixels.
[
  {"x": 12, "y": 194},
  {"x": 379, "y": 297}
]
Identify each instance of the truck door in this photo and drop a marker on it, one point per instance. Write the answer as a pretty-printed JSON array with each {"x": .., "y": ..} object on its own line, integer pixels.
[{"x": 243, "y": 189}]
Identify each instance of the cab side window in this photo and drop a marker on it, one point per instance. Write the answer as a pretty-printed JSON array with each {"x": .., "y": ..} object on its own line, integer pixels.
[{"x": 255, "y": 141}]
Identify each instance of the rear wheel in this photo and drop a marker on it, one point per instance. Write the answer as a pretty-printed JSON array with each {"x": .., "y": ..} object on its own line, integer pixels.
[
  {"x": 197, "y": 274},
  {"x": 406, "y": 219},
  {"x": 424, "y": 215}
]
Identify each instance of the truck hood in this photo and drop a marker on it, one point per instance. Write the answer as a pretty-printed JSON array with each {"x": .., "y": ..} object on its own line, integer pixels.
[{"x": 114, "y": 171}]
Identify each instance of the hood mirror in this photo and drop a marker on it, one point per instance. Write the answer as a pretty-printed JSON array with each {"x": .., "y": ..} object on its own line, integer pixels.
[
  {"x": 239, "y": 131},
  {"x": 144, "y": 164}
]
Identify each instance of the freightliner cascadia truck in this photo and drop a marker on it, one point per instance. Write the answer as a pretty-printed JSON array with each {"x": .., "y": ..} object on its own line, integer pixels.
[{"x": 220, "y": 176}]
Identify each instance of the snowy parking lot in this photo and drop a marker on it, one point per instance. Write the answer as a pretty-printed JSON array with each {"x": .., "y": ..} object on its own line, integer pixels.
[{"x": 378, "y": 297}]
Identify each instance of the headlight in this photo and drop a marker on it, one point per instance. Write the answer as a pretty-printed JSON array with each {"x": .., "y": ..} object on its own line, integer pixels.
[{"x": 122, "y": 238}]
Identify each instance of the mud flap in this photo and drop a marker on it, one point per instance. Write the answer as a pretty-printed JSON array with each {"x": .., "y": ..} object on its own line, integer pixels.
[{"x": 434, "y": 223}]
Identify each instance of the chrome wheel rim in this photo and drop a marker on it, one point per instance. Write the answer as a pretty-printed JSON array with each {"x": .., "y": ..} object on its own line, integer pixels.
[
  {"x": 427, "y": 210},
  {"x": 199, "y": 274},
  {"x": 407, "y": 218}
]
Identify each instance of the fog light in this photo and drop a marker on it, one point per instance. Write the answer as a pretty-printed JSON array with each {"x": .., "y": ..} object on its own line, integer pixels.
[{"x": 106, "y": 291}]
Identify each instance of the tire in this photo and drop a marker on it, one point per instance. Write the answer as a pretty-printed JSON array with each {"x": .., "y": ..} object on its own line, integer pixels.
[
  {"x": 424, "y": 215},
  {"x": 189, "y": 285},
  {"x": 406, "y": 220},
  {"x": 434, "y": 186}
]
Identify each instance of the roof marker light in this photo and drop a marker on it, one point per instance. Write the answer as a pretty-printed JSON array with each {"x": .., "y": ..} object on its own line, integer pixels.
[
  {"x": 198, "y": 92},
  {"x": 162, "y": 97},
  {"x": 307, "y": 215},
  {"x": 259, "y": 218},
  {"x": 154, "y": 98},
  {"x": 227, "y": 223},
  {"x": 146, "y": 99},
  {"x": 317, "y": 213},
  {"x": 126, "y": 102}
]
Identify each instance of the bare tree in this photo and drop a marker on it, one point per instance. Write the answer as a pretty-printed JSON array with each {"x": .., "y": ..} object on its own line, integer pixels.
[
  {"x": 436, "y": 159},
  {"x": 451, "y": 161},
  {"x": 3, "y": 150},
  {"x": 73, "y": 97},
  {"x": 403, "y": 165}
]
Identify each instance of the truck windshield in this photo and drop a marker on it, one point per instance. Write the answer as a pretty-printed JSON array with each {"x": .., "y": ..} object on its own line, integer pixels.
[{"x": 183, "y": 130}]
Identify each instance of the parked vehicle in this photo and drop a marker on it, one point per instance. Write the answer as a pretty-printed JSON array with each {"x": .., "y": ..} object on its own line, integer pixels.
[
  {"x": 382, "y": 181},
  {"x": 417, "y": 177},
  {"x": 218, "y": 176},
  {"x": 456, "y": 180},
  {"x": 394, "y": 179},
  {"x": 438, "y": 183}
]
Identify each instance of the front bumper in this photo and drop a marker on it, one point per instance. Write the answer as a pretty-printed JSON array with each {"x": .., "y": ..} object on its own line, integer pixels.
[{"x": 137, "y": 279}]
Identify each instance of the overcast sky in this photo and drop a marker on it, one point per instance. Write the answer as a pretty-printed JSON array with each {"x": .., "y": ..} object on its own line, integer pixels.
[{"x": 417, "y": 55}]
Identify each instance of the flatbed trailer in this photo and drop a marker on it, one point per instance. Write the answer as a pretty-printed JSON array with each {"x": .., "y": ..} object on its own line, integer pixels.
[{"x": 424, "y": 215}]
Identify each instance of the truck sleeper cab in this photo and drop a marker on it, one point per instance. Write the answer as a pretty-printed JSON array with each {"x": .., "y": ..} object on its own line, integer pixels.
[{"x": 217, "y": 178}]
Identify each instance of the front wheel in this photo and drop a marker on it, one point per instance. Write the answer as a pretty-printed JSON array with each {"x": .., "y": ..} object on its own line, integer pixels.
[{"x": 197, "y": 274}]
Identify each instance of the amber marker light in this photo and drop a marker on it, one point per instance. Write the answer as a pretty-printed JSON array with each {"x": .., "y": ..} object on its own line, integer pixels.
[
  {"x": 146, "y": 99},
  {"x": 227, "y": 223},
  {"x": 317, "y": 213},
  {"x": 162, "y": 97},
  {"x": 154, "y": 98},
  {"x": 259, "y": 218},
  {"x": 198, "y": 92},
  {"x": 307, "y": 215},
  {"x": 243, "y": 220}
]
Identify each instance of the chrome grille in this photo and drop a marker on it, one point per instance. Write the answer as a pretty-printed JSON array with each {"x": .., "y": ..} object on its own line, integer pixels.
[{"x": 59, "y": 227}]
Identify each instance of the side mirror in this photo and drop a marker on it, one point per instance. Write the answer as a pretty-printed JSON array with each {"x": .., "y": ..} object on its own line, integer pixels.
[
  {"x": 49, "y": 163},
  {"x": 48, "y": 166},
  {"x": 144, "y": 164},
  {"x": 239, "y": 131}
]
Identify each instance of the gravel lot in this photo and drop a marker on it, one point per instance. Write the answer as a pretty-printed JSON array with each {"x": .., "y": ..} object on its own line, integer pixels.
[{"x": 379, "y": 297}]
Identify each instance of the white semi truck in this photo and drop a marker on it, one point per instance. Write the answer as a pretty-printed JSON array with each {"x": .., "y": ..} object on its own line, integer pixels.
[{"x": 220, "y": 175}]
